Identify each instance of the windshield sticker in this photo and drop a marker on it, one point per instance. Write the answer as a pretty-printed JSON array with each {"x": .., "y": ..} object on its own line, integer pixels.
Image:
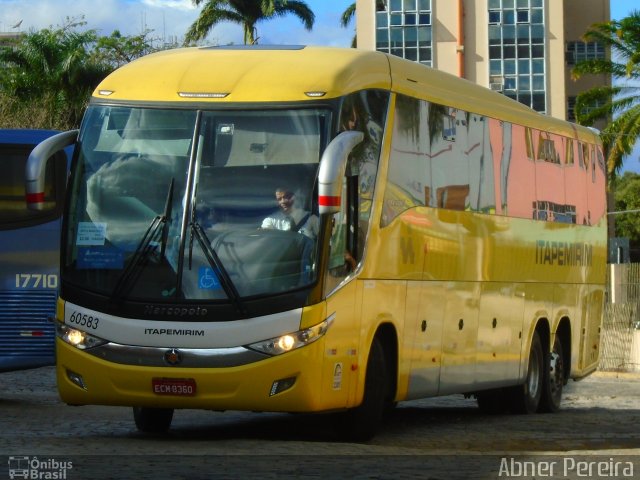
[
  {"x": 100, "y": 258},
  {"x": 90, "y": 233},
  {"x": 226, "y": 129},
  {"x": 207, "y": 279}
]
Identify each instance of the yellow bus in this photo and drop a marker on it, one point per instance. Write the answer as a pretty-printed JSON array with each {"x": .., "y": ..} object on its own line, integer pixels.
[{"x": 306, "y": 229}]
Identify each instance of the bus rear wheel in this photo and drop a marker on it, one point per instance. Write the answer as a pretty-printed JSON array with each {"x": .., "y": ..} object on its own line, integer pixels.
[
  {"x": 153, "y": 420},
  {"x": 553, "y": 379},
  {"x": 526, "y": 397}
]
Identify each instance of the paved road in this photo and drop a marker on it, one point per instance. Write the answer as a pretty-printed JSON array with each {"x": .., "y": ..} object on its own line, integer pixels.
[{"x": 598, "y": 427}]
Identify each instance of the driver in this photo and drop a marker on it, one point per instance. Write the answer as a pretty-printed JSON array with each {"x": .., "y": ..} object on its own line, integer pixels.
[{"x": 291, "y": 217}]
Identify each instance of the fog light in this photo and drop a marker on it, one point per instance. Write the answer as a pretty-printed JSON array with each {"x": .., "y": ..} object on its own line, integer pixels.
[
  {"x": 77, "y": 379},
  {"x": 280, "y": 386}
]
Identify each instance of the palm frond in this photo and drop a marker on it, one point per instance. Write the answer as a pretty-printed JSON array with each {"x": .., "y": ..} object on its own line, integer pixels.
[
  {"x": 620, "y": 102},
  {"x": 348, "y": 15},
  {"x": 211, "y": 15},
  {"x": 297, "y": 8}
]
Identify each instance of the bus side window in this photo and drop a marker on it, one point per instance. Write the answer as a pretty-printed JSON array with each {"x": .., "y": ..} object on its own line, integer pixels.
[{"x": 341, "y": 261}]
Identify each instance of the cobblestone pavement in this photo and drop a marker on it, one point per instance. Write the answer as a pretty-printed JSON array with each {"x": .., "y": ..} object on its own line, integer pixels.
[{"x": 448, "y": 437}]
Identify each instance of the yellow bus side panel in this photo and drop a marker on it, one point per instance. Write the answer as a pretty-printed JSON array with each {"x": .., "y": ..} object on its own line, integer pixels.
[
  {"x": 422, "y": 340},
  {"x": 483, "y": 283}
]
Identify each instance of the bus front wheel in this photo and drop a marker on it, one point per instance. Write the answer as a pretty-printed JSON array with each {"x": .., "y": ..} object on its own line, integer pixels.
[
  {"x": 153, "y": 420},
  {"x": 361, "y": 423}
]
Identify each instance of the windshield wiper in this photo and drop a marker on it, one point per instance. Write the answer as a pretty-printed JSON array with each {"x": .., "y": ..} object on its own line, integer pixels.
[
  {"x": 144, "y": 249},
  {"x": 215, "y": 262},
  {"x": 168, "y": 208}
]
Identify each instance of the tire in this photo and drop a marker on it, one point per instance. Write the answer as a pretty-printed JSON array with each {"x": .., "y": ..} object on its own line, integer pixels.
[
  {"x": 554, "y": 379},
  {"x": 361, "y": 423},
  {"x": 526, "y": 397},
  {"x": 153, "y": 420},
  {"x": 494, "y": 401}
]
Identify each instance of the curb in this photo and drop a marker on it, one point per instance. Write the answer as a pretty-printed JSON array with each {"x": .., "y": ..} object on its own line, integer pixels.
[{"x": 612, "y": 374}]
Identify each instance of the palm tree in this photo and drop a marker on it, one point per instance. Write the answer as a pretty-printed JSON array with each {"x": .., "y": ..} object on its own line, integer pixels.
[
  {"x": 247, "y": 13},
  {"x": 345, "y": 20},
  {"x": 621, "y": 100},
  {"x": 350, "y": 13}
]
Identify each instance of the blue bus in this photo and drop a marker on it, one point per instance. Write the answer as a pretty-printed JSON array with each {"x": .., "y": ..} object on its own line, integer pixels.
[{"x": 29, "y": 253}]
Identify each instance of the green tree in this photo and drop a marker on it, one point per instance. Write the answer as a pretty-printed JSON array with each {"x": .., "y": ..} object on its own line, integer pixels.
[
  {"x": 620, "y": 101},
  {"x": 117, "y": 49},
  {"x": 627, "y": 197},
  {"x": 52, "y": 69},
  {"x": 48, "y": 75},
  {"x": 350, "y": 13},
  {"x": 246, "y": 13}
]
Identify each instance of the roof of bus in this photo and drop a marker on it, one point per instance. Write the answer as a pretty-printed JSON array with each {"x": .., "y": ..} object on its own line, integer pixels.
[{"x": 295, "y": 73}]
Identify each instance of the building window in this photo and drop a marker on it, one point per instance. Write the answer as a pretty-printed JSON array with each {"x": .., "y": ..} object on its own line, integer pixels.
[
  {"x": 571, "y": 108},
  {"x": 517, "y": 50},
  {"x": 580, "y": 51},
  {"x": 403, "y": 28},
  {"x": 495, "y": 18},
  {"x": 523, "y": 16}
]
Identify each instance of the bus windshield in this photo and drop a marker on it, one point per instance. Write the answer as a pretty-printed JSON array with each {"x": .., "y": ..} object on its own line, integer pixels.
[{"x": 195, "y": 205}]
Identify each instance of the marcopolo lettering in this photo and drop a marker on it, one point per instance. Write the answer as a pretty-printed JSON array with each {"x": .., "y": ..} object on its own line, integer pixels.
[
  {"x": 176, "y": 311},
  {"x": 564, "y": 254}
]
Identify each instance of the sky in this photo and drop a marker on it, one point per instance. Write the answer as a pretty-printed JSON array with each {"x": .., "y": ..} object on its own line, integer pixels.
[{"x": 169, "y": 19}]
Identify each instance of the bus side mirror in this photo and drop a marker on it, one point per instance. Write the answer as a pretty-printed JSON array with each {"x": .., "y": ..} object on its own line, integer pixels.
[
  {"x": 332, "y": 169},
  {"x": 36, "y": 166}
]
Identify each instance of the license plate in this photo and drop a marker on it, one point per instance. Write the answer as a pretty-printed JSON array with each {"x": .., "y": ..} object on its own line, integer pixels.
[{"x": 180, "y": 387}]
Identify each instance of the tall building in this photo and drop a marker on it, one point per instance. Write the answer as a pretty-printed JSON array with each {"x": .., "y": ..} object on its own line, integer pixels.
[{"x": 522, "y": 48}]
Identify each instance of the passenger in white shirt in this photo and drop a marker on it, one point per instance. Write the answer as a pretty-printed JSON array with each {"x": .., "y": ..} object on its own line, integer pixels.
[{"x": 291, "y": 217}]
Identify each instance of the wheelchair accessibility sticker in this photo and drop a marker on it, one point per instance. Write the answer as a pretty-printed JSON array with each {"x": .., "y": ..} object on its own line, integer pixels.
[{"x": 208, "y": 279}]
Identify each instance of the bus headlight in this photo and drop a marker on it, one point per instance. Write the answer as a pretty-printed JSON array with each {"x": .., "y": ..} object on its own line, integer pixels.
[
  {"x": 77, "y": 338},
  {"x": 292, "y": 341}
]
